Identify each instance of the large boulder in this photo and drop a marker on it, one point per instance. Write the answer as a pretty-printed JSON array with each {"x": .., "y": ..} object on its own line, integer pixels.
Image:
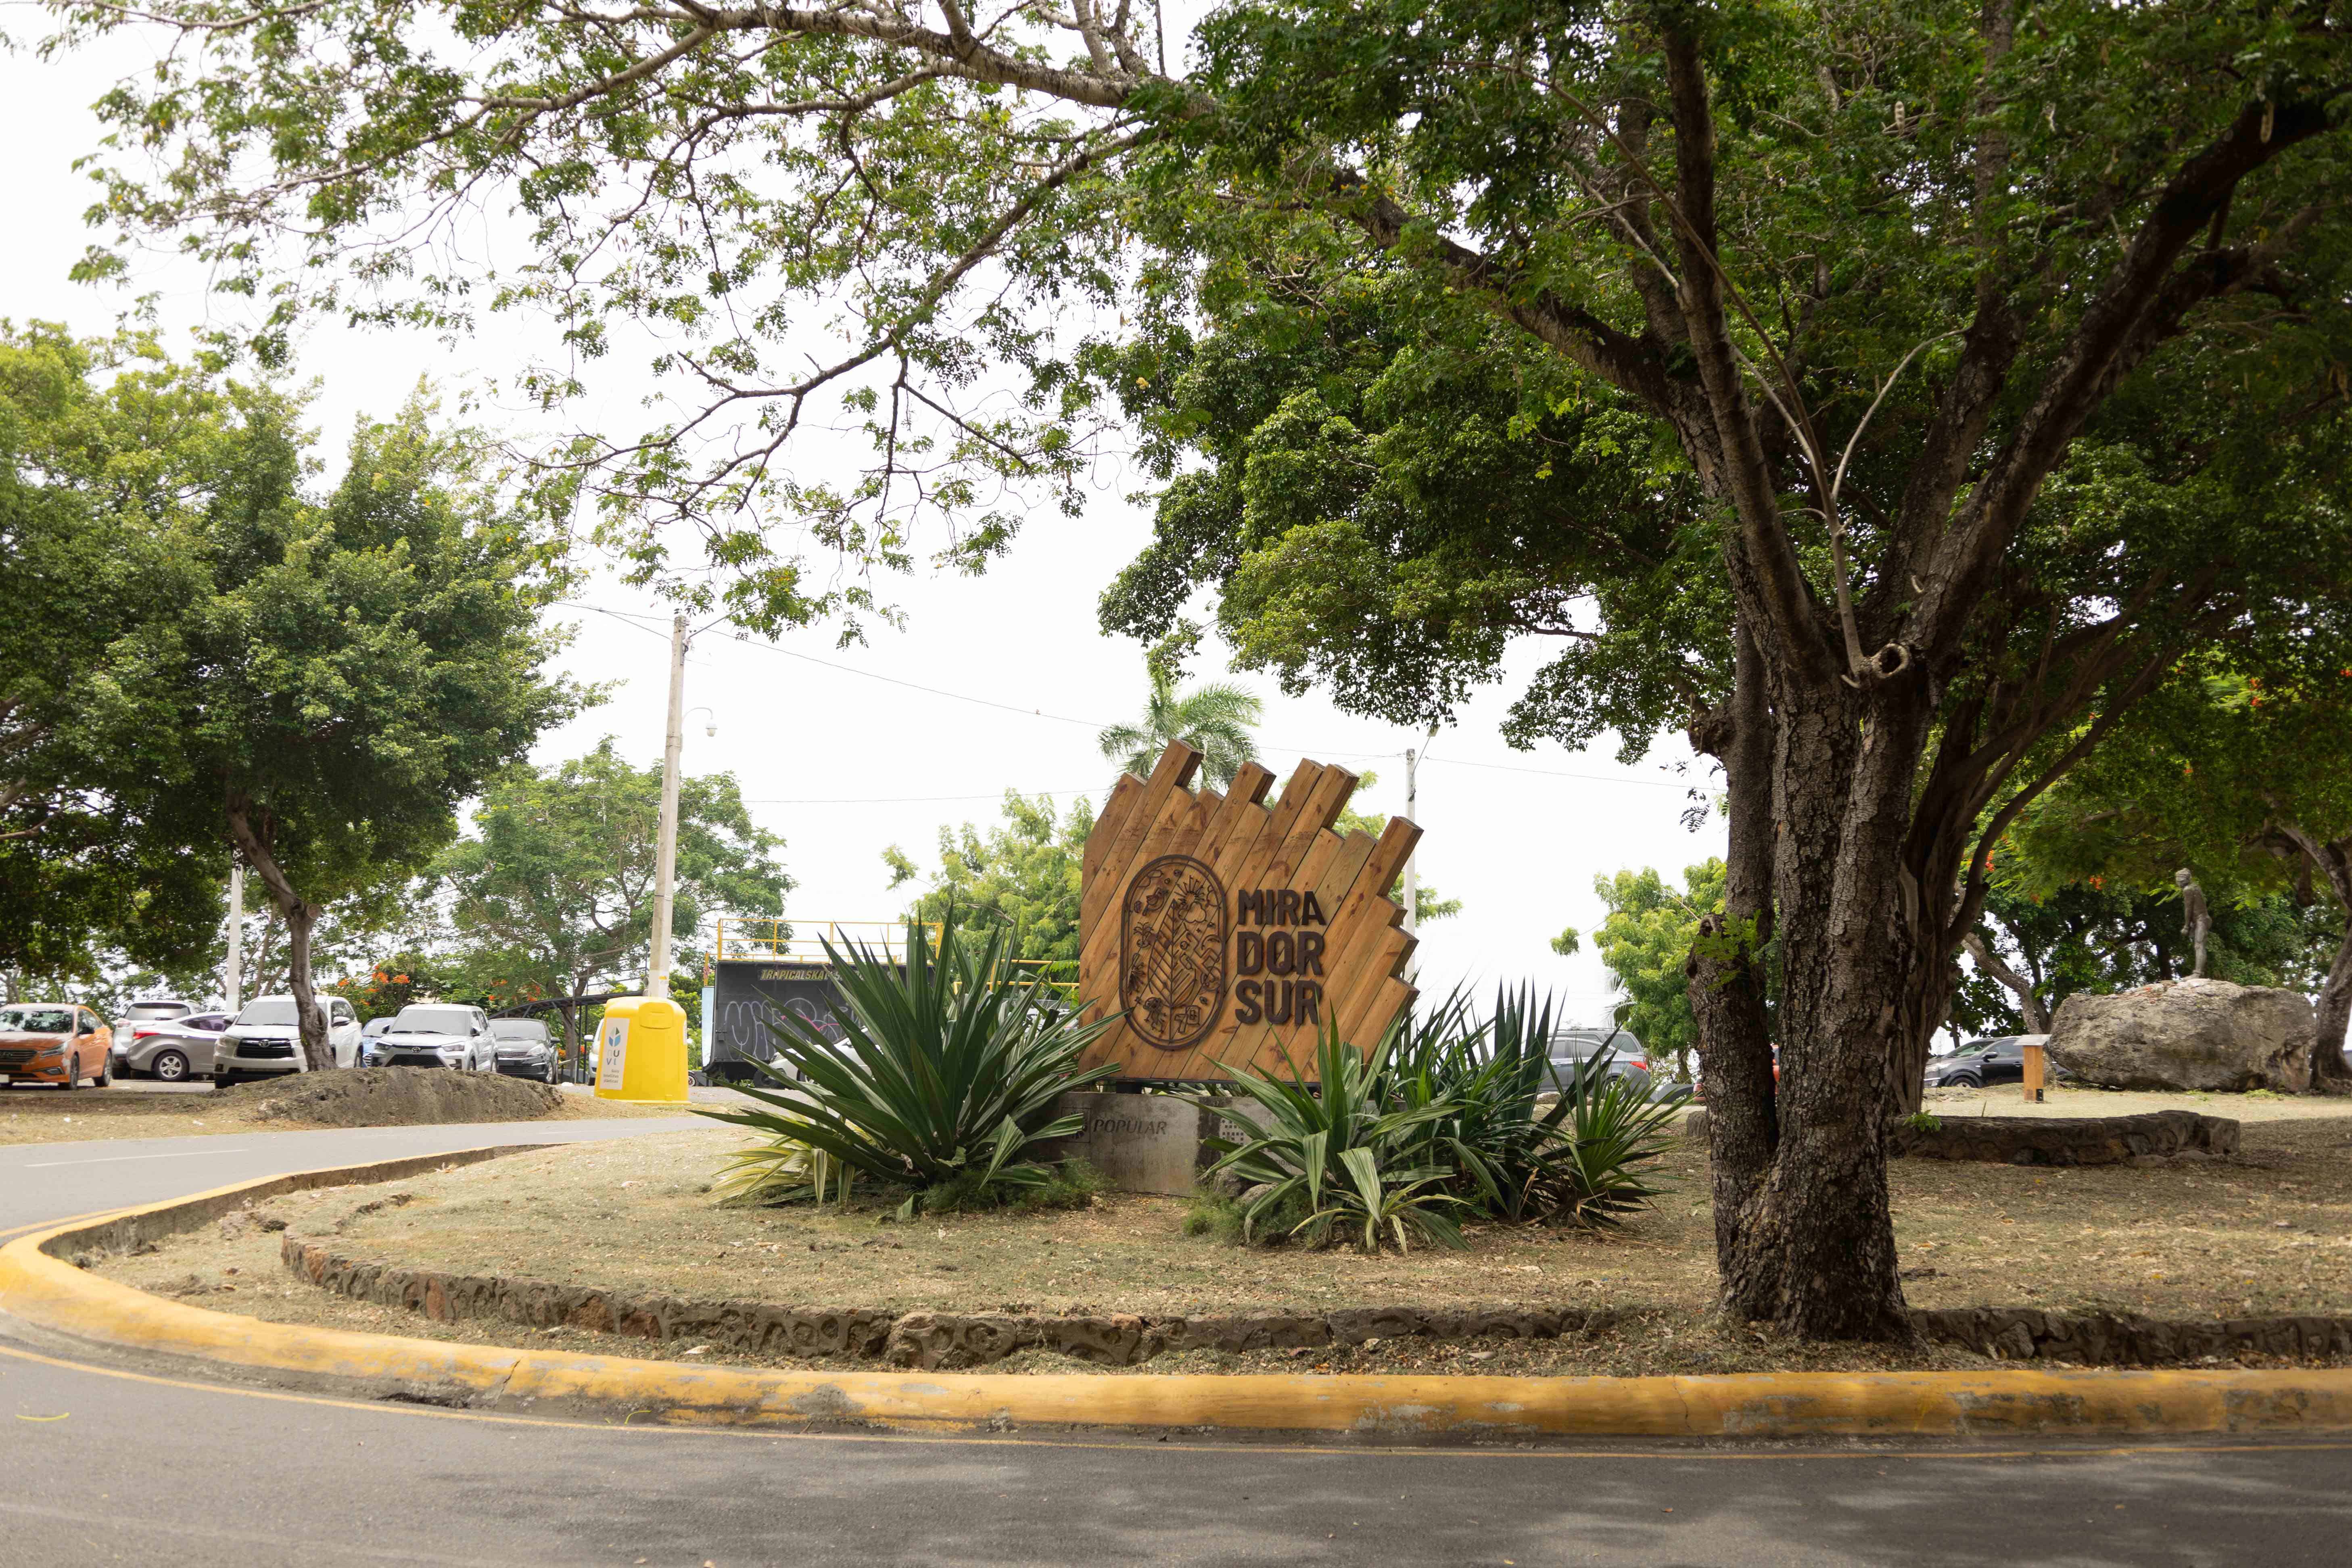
[{"x": 2190, "y": 1035}]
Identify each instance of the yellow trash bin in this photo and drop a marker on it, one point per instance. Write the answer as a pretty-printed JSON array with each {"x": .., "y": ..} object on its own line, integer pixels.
[{"x": 641, "y": 1050}]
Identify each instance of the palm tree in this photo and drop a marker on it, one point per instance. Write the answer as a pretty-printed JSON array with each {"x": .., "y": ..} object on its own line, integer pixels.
[{"x": 1213, "y": 719}]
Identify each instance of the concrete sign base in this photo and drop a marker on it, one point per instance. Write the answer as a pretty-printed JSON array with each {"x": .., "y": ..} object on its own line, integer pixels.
[{"x": 1140, "y": 1142}]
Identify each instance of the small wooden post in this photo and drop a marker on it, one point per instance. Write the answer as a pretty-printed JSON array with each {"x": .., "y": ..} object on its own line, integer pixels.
[{"x": 2034, "y": 1072}]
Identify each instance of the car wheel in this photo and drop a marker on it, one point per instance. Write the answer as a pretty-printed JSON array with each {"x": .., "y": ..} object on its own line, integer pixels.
[
  {"x": 104, "y": 1077},
  {"x": 73, "y": 1071},
  {"x": 170, "y": 1067}
]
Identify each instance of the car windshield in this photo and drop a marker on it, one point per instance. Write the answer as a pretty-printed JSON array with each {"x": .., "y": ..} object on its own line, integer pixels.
[
  {"x": 518, "y": 1029},
  {"x": 268, "y": 1010},
  {"x": 156, "y": 1010},
  {"x": 432, "y": 1021},
  {"x": 35, "y": 1020}
]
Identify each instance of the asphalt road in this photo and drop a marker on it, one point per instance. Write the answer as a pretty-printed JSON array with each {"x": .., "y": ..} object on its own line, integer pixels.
[{"x": 106, "y": 1465}]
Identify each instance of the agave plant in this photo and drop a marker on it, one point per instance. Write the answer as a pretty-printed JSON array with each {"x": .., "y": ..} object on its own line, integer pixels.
[
  {"x": 780, "y": 1170},
  {"x": 946, "y": 1074},
  {"x": 1339, "y": 1151},
  {"x": 1512, "y": 1155},
  {"x": 1591, "y": 1174}
]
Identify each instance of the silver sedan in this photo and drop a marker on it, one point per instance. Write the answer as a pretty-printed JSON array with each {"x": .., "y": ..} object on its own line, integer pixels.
[{"x": 174, "y": 1050}]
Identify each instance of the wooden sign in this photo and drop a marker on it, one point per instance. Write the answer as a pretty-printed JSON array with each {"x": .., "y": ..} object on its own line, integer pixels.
[{"x": 1227, "y": 932}]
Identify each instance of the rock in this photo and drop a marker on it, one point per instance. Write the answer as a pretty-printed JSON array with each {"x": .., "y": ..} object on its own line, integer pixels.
[
  {"x": 2205, "y": 1035},
  {"x": 1694, "y": 1126}
]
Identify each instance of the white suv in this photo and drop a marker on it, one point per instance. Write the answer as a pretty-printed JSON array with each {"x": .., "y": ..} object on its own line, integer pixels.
[
  {"x": 439, "y": 1035},
  {"x": 265, "y": 1039}
]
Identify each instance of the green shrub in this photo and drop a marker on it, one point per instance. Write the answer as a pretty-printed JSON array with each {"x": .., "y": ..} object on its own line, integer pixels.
[
  {"x": 1510, "y": 1157},
  {"x": 1219, "y": 1216},
  {"x": 947, "y": 1072},
  {"x": 779, "y": 1171},
  {"x": 1337, "y": 1151},
  {"x": 1591, "y": 1171}
]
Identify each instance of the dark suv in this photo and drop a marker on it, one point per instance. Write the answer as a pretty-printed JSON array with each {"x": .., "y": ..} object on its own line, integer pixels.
[{"x": 1997, "y": 1060}]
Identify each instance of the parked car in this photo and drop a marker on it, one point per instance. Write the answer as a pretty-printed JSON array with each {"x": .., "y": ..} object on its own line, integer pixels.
[
  {"x": 173, "y": 1050},
  {"x": 371, "y": 1047},
  {"x": 1999, "y": 1059},
  {"x": 55, "y": 1042},
  {"x": 439, "y": 1035},
  {"x": 1573, "y": 1050},
  {"x": 266, "y": 1040},
  {"x": 526, "y": 1048}
]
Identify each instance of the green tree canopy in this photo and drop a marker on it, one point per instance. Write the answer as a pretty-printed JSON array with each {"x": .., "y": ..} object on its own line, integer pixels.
[
  {"x": 2248, "y": 784},
  {"x": 334, "y": 675},
  {"x": 551, "y": 893},
  {"x": 1022, "y": 876},
  {"x": 107, "y": 451}
]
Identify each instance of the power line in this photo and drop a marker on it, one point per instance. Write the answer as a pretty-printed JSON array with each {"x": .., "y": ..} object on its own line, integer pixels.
[
  {"x": 916, "y": 799},
  {"x": 648, "y": 624}
]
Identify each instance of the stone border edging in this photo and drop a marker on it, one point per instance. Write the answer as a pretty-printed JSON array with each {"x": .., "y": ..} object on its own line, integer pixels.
[
  {"x": 39, "y": 1288},
  {"x": 2148, "y": 1138},
  {"x": 933, "y": 1341}
]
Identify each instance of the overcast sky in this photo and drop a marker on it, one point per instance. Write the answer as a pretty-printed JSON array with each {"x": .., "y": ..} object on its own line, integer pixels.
[{"x": 842, "y": 763}]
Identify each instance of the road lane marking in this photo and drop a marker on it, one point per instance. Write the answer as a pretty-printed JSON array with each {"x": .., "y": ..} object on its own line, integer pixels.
[{"x": 116, "y": 1159}]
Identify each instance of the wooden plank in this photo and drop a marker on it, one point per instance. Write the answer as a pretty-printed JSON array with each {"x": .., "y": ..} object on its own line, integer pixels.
[
  {"x": 1382, "y": 965},
  {"x": 1222, "y": 818},
  {"x": 1123, "y": 797},
  {"x": 1318, "y": 806},
  {"x": 1255, "y": 870},
  {"x": 1330, "y": 870},
  {"x": 1180, "y": 816},
  {"x": 1225, "y": 845},
  {"x": 1366, "y": 911},
  {"x": 1175, "y": 769}
]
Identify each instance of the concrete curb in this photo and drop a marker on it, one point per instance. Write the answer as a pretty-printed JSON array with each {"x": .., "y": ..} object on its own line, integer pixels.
[{"x": 38, "y": 1287}]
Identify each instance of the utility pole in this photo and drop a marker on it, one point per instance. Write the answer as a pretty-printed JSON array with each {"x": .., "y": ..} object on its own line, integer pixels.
[
  {"x": 1411, "y": 797},
  {"x": 236, "y": 936},
  {"x": 666, "y": 851}
]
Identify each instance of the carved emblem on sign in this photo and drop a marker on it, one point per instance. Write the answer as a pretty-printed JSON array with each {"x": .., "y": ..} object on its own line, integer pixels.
[
  {"x": 1171, "y": 976},
  {"x": 1219, "y": 933}
]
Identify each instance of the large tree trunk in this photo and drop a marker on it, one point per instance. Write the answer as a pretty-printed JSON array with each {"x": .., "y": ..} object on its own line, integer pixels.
[
  {"x": 252, "y": 833},
  {"x": 2333, "y": 859},
  {"x": 1725, "y": 970},
  {"x": 1815, "y": 1249}
]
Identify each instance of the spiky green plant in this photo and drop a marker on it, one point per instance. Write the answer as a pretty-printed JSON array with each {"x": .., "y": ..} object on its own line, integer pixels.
[
  {"x": 1522, "y": 1141},
  {"x": 947, "y": 1072},
  {"x": 1338, "y": 1151}
]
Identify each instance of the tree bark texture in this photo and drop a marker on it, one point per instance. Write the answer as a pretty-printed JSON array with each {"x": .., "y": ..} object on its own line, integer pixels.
[
  {"x": 2332, "y": 858},
  {"x": 1727, "y": 967},
  {"x": 2029, "y": 1005},
  {"x": 251, "y": 831}
]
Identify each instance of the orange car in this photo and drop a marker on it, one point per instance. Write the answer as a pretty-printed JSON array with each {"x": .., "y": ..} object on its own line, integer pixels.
[{"x": 55, "y": 1042}]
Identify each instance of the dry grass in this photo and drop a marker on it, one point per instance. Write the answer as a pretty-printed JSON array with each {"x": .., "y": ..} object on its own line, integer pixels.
[
  {"x": 2269, "y": 1233},
  {"x": 43, "y": 1115}
]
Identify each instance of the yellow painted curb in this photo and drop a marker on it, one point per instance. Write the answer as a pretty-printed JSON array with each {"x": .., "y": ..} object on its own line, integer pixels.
[{"x": 41, "y": 1289}]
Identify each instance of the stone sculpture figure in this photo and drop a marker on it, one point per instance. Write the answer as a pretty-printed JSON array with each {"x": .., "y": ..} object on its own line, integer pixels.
[{"x": 2196, "y": 920}]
